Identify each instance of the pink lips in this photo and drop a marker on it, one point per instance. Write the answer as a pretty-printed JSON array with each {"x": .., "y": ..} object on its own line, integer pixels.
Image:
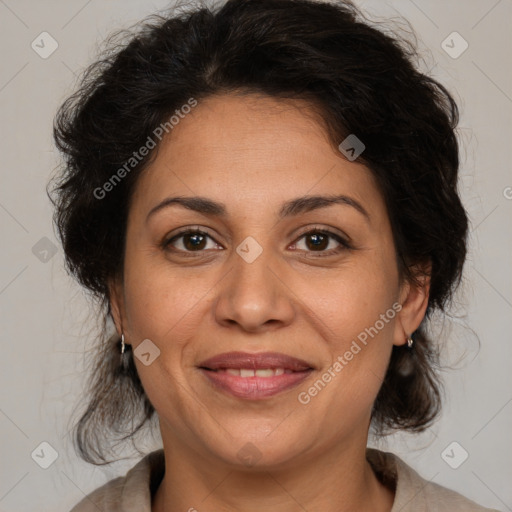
[{"x": 287, "y": 372}]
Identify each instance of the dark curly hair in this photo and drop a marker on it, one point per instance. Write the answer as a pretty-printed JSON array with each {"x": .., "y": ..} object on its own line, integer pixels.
[{"x": 360, "y": 79}]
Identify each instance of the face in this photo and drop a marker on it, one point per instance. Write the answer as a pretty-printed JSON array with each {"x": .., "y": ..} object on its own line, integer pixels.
[{"x": 316, "y": 281}]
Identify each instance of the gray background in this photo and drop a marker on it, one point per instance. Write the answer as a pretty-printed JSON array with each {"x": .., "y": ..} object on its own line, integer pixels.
[{"x": 46, "y": 322}]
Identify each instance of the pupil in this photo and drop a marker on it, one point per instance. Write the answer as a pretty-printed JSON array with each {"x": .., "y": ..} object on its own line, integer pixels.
[
  {"x": 318, "y": 240},
  {"x": 196, "y": 240}
]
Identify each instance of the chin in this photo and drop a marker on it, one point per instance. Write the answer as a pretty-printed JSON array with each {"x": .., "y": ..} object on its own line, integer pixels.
[{"x": 253, "y": 446}]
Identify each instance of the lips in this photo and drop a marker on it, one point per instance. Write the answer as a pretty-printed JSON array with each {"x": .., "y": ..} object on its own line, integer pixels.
[
  {"x": 254, "y": 376},
  {"x": 261, "y": 361}
]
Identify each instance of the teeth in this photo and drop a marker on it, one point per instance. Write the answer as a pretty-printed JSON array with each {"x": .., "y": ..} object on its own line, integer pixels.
[{"x": 264, "y": 372}]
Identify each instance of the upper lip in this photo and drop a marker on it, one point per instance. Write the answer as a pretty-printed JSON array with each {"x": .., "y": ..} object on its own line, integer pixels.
[{"x": 262, "y": 360}]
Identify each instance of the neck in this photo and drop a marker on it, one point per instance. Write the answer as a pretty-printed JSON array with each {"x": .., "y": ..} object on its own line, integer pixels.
[{"x": 335, "y": 481}]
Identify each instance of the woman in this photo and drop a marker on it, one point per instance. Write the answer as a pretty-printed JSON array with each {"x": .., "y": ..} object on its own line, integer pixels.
[{"x": 263, "y": 198}]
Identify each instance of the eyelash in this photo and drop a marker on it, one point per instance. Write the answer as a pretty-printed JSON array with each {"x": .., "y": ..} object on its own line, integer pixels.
[{"x": 344, "y": 244}]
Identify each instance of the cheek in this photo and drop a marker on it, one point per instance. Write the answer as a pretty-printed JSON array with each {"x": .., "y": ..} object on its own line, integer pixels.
[
  {"x": 356, "y": 310},
  {"x": 163, "y": 308},
  {"x": 352, "y": 300},
  {"x": 161, "y": 301}
]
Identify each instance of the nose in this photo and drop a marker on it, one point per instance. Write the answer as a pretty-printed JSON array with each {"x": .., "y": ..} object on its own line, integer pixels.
[{"x": 254, "y": 295}]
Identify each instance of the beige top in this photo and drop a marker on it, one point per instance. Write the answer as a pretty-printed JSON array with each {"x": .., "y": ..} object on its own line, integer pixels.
[{"x": 133, "y": 492}]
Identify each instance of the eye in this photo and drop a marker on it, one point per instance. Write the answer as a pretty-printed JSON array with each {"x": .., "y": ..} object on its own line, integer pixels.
[
  {"x": 190, "y": 240},
  {"x": 318, "y": 240}
]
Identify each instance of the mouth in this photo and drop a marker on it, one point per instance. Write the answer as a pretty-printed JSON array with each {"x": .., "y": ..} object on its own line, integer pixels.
[{"x": 255, "y": 376}]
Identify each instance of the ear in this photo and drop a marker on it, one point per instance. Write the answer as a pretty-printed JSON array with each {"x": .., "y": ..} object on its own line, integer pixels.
[
  {"x": 414, "y": 300},
  {"x": 116, "y": 299}
]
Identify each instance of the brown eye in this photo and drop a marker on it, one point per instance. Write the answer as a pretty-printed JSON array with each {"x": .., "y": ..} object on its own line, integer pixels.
[
  {"x": 192, "y": 240},
  {"x": 324, "y": 242},
  {"x": 318, "y": 241}
]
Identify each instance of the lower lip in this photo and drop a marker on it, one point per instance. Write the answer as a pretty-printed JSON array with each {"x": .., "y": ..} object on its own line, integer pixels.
[{"x": 255, "y": 388}]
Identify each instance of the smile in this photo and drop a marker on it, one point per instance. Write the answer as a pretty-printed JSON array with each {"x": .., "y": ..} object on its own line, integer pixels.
[{"x": 254, "y": 376}]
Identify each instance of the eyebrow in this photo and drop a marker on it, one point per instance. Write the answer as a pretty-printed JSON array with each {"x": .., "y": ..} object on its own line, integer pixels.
[{"x": 290, "y": 208}]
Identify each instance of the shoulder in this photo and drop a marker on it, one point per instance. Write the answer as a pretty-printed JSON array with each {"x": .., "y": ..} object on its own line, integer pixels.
[
  {"x": 414, "y": 493},
  {"x": 128, "y": 493}
]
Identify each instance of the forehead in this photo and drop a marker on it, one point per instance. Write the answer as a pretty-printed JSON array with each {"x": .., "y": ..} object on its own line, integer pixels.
[{"x": 243, "y": 149}]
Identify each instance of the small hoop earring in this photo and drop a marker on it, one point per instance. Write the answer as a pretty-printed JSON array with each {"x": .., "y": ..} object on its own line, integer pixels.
[
  {"x": 124, "y": 359},
  {"x": 410, "y": 341}
]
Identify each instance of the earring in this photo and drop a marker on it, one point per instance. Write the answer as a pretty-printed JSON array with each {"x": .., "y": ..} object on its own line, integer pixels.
[
  {"x": 124, "y": 358},
  {"x": 410, "y": 341}
]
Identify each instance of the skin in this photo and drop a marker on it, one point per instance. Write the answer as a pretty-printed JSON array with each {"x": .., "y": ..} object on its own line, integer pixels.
[{"x": 252, "y": 153}]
